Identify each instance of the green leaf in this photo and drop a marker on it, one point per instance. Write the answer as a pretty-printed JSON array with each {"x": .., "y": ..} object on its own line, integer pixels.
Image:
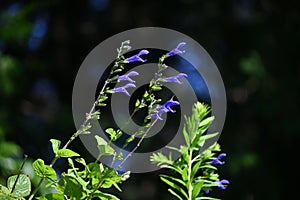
[
  {"x": 55, "y": 196},
  {"x": 207, "y": 121},
  {"x": 125, "y": 176},
  {"x": 114, "y": 135},
  {"x": 137, "y": 103},
  {"x": 81, "y": 161},
  {"x": 175, "y": 194},
  {"x": 66, "y": 153},
  {"x": 173, "y": 185},
  {"x": 197, "y": 189},
  {"x": 160, "y": 159},
  {"x": 200, "y": 140},
  {"x": 100, "y": 140},
  {"x": 206, "y": 198},
  {"x": 72, "y": 188},
  {"x": 156, "y": 88},
  {"x": 104, "y": 148},
  {"x": 184, "y": 174},
  {"x": 186, "y": 136},
  {"x": 55, "y": 145},
  {"x": 4, "y": 189},
  {"x": 105, "y": 196},
  {"x": 6, "y": 197},
  {"x": 195, "y": 169},
  {"x": 44, "y": 171},
  {"x": 174, "y": 179},
  {"x": 102, "y": 98},
  {"x": 23, "y": 185},
  {"x": 131, "y": 138}
]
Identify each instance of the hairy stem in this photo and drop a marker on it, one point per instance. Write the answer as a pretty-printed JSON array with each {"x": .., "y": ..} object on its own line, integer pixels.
[{"x": 138, "y": 144}]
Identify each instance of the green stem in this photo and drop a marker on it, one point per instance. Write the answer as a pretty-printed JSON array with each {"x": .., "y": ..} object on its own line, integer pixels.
[
  {"x": 36, "y": 189},
  {"x": 75, "y": 135},
  {"x": 190, "y": 186}
]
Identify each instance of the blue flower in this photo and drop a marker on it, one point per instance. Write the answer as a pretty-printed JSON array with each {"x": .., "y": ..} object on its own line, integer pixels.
[
  {"x": 164, "y": 109},
  {"x": 126, "y": 77},
  {"x": 137, "y": 57},
  {"x": 123, "y": 88},
  {"x": 221, "y": 184},
  {"x": 218, "y": 161},
  {"x": 175, "y": 78},
  {"x": 176, "y": 50}
]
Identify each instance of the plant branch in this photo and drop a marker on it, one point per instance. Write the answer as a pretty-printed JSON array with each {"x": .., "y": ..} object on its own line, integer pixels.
[{"x": 138, "y": 144}]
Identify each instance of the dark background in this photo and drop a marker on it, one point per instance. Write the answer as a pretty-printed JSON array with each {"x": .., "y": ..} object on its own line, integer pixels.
[{"x": 255, "y": 44}]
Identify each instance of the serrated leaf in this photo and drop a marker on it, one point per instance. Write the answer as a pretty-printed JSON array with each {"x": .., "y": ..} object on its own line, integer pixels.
[
  {"x": 66, "y": 153},
  {"x": 23, "y": 185},
  {"x": 44, "y": 171},
  {"x": 55, "y": 145}
]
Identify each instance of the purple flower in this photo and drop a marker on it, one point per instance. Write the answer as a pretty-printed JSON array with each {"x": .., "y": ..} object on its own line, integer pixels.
[
  {"x": 218, "y": 161},
  {"x": 137, "y": 57},
  {"x": 221, "y": 184},
  {"x": 164, "y": 109},
  {"x": 175, "y": 78},
  {"x": 123, "y": 88},
  {"x": 126, "y": 77},
  {"x": 176, "y": 50}
]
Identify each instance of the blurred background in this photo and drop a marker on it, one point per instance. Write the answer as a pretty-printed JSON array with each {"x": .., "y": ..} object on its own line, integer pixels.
[{"x": 255, "y": 44}]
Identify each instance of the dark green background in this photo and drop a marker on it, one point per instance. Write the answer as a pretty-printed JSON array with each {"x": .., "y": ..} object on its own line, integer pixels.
[{"x": 255, "y": 44}]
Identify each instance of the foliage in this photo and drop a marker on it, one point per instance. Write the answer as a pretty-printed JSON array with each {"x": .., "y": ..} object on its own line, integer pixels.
[
  {"x": 84, "y": 180},
  {"x": 195, "y": 172}
]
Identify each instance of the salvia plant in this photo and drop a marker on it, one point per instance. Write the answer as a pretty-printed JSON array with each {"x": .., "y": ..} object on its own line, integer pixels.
[{"x": 192, "y": 176}]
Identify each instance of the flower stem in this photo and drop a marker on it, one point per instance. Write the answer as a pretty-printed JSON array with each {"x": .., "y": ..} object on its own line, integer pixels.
[{"x": 138, "y": 144}]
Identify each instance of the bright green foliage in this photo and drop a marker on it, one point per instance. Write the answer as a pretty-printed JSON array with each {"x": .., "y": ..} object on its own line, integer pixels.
[
  {"x": 44, "y": 171},
  {"x": 195, "y": 174},
  {"x": 84, "y": 183},
  {"x": 104, "y": 147},
  {"x": 16, "y": 190}
]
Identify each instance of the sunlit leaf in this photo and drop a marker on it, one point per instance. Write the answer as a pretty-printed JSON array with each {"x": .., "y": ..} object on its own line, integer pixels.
[{"x": 23, "y": 185}]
